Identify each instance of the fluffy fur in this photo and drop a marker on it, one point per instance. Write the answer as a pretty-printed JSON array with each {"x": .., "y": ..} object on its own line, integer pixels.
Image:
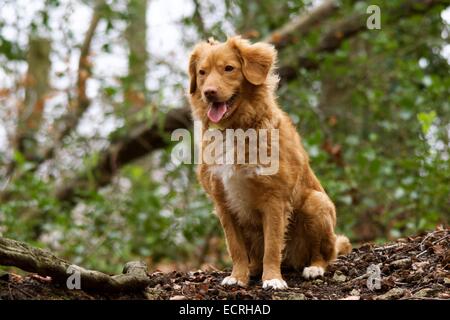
[{"x": 267, "y": 220}]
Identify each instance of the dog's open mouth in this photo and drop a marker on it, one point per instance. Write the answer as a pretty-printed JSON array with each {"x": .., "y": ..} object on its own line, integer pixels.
[{"x": 218, "y": 110}]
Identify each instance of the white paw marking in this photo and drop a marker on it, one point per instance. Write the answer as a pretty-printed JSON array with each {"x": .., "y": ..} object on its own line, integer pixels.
[
  {"x": 313, "y": 272},
  {"x": 277, "y": 284},
  {"x": 231, "y": 281}
]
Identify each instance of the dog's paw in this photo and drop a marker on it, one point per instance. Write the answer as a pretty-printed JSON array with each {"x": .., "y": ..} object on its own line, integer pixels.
[
  {"x": 277, "y": 284},
  {"x": 313, "y": 272},
  {"x": 232, "y": 281}
]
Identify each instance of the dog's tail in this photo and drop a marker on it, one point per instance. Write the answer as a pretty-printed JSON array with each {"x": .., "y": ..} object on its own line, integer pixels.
[{"x": 343, "y": 245}]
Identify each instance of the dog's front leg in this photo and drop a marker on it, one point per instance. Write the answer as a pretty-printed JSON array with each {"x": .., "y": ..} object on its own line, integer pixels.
[
  {"x": 236, "y": 248},
  {"x": 274, "y": 227}
]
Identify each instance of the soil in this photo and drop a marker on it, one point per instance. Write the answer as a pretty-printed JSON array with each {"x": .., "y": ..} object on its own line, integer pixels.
[{"x": 410, "y": 268}]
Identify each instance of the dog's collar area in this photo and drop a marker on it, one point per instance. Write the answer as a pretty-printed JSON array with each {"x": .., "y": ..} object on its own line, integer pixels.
[{"x": 215, "y": 126}]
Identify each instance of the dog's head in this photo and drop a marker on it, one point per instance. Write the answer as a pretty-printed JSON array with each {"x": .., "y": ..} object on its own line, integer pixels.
[{"x": 222, "y": 75}]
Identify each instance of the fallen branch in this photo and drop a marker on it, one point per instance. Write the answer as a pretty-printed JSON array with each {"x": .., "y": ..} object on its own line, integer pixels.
[
  {"x": 79, "y": 105},
  {"x": 18, "y": 254}
]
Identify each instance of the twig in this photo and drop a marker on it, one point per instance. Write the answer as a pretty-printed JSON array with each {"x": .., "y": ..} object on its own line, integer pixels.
[
  {"x": 443, "y": 238},
  {"x": 17, "y": 288},
  {"x": 422, "y": 298},
  {"x": 435, "y": 242},
  {"x": 423, "y": 240},
  {"x": 422, "y": 253},
  {"x": 365, "y": 275},
  {"x": 387, "y": 247},
  {"x": 10, "y": 293}
]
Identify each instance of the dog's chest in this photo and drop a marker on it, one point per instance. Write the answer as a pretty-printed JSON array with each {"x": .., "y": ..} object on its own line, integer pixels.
[{"x": 239, "y": 187}]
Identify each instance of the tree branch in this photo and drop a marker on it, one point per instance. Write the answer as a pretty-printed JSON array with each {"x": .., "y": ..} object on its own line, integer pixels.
[
  {"x": 301, "y": 25},
  {"x": 21, "y": 255},
  {"x": 198, "y": 18},
  {"x": 82, "y": 102},
  {"x": 142, "y": 141},
  {"x": 349, "y": 27}
]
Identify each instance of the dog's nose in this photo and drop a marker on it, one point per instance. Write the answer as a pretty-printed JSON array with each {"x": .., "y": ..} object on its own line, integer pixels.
[{"x": 210, "y": 93}]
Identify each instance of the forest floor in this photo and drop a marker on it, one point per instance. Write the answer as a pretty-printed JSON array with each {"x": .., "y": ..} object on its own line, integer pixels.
[{"x": 411, "y": 268}]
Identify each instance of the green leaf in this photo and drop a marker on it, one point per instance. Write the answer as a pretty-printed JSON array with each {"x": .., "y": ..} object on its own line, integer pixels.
[{"x": 426, "y": 120}]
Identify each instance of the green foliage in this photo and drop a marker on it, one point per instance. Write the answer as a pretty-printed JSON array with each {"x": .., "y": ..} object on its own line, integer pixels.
[
  {"x": 426, "y": 119},
  {"x": 391, "y": 174}
]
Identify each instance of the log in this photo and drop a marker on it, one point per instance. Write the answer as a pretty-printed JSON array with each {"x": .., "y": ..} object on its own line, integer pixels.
[{"x": 43, "y": 262}]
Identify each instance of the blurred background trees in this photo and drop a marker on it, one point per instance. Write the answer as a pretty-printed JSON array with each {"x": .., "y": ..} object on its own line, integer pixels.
[{"x": 90, "y": 91}]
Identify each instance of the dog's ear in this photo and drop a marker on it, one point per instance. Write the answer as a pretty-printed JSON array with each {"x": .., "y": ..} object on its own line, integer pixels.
[
  {"x": 257, "y": 59},
  {"x": 193, "y": 70}
]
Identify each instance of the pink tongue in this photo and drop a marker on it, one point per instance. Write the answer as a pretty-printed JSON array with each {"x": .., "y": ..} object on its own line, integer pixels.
[{"x": 216, "y": 111}]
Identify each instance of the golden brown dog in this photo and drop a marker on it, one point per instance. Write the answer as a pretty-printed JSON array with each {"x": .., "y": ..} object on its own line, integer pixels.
[{"x": 268, "y": 220}]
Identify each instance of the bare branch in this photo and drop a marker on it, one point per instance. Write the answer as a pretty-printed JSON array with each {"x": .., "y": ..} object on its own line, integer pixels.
[
  {"x": 141, "y": 142},
  {"x": 82, "y": 102}
]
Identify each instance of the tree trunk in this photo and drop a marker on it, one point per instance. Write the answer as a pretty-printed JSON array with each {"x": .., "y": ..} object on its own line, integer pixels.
[
  {"x": 37, "y": 88},
  {"x": 136, "y": 36}
]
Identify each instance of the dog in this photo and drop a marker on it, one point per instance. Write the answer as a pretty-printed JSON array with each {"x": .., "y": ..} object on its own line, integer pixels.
[{"x": 269, "y": 221}]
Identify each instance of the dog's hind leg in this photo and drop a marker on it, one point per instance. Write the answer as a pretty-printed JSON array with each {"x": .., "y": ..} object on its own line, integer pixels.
[
  {"x": 318, "y": 217},
  {"x": 255, "y": 249}
]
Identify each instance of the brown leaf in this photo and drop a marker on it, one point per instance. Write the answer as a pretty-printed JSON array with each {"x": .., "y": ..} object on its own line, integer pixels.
[{"x": 439, "y": 250}]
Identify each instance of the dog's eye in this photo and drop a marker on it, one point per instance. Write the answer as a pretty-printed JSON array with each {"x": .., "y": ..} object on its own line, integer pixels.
[
  {"x": 229, "y": 68},
  {"x": 201, "y": 72}
]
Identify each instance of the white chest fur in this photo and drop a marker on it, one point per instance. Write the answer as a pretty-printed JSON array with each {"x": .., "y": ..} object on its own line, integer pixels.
[{"x": 238, "y": 189}]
